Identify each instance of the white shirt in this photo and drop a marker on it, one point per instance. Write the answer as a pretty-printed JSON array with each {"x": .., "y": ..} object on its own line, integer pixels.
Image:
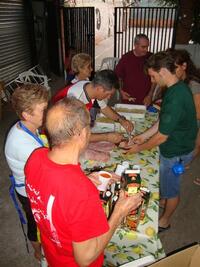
[
  {"x": 19, "y": 145},
  {"x": 77, "y": 91},
  {"x": 75, "y": 80}
]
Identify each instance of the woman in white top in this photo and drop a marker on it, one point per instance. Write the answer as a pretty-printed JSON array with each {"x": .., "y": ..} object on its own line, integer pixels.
[{"x": 29, "y": 102}]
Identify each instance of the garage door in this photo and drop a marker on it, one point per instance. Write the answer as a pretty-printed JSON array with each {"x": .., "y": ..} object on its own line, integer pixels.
[{"x": 15, "y": 44}]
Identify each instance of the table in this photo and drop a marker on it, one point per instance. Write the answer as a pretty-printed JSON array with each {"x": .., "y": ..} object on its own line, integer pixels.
[{"x": 127, "y": 245}]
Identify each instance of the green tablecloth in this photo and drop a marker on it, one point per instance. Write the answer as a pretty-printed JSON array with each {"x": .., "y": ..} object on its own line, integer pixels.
[{"x": 127, "y": 245}]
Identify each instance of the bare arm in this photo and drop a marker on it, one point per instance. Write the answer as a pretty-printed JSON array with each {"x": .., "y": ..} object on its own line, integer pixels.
[
  {"x": 148, "y": 98},
  {"x": 87, "y": 251},
  {"x": 112, "y": 114},
  {"x": 196, "y": 98},
  {"x": 155, "y": 140},
  {"x": 151, "y": 92},
  {"x": 109, "y": 137},
  {"x": 150, "y": 132}
]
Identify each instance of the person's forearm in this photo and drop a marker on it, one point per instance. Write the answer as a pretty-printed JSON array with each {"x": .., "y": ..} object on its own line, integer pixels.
[
  {"x": 151, "y": 91},
  {"x": 101, "y": 242},
  {"x": 151, "y": 131},
  {"x": 154, "y": 141},
  {"x": 96, "y": 137},
  {"x": 111, "y": 113},
  {"x": 196, "y": 98}
]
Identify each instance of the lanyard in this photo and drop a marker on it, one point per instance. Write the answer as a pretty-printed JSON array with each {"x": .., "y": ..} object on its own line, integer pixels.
[
  {"x": 12, "y": 195},
  {"x": 19, "y": 211},
  {"x": 23, "y": 127}
]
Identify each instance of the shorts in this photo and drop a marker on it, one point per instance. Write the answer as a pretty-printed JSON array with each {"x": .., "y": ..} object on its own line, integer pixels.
[
  {"x": 169, "y": 182},
  {"x": 31, "y": 224}
]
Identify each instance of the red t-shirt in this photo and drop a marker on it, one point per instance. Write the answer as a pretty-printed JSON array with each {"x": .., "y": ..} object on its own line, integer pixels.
[
  {"x": 66, "y": 207},
  {"x": 135, "y": 81}
]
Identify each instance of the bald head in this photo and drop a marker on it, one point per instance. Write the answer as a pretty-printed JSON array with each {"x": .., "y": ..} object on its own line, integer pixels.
[{"x": 66, "y": 119}]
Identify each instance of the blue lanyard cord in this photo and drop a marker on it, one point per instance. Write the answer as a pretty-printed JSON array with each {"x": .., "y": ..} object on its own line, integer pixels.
[
  {"x": 20, "y": 213},
  {"x": 12, "y": 195},
  {"x": 23, "y": 127}
]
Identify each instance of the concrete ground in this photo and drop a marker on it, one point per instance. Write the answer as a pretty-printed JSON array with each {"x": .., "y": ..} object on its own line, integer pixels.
[{"x": 184, "y": 227}]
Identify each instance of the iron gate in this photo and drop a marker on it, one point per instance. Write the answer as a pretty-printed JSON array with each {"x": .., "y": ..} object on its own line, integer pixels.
[
  {"x": 79, "y": 30},
  {"x": 158, "y": 23}
]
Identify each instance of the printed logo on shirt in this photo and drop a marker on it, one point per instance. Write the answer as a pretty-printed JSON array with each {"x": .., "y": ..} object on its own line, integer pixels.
[{"x": 42, "y": 214}]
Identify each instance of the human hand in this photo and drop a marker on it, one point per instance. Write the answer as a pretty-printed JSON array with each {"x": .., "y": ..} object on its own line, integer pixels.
[
  {"x": 138, "y": 139},
  {"x": 114, "y": 137},
  {"x": 126, "y": 204},
  {"x": 147, "y": 100},
  {"x": 125, "y": 95},
  {"x": 94, "y": 178},
  {"x": 128, "y": 125},
  {"x": 132, "y": 150},
  {"x": 115, "y": 177}
]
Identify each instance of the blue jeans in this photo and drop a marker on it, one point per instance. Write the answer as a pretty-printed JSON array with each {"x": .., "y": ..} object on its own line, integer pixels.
[{"x": 169, "y": 182}]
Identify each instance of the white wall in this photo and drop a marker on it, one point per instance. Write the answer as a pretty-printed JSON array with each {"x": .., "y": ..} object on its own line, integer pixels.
[{"x": 104, "y": 15}]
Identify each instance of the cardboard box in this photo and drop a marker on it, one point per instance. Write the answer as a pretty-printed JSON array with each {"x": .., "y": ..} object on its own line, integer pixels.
[{"x": 188, "y": 257}]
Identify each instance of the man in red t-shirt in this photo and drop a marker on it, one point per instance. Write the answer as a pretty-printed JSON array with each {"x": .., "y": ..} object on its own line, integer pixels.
[
  {"x": 65, "y": 203},
  {"x": 135, "y": 83}
]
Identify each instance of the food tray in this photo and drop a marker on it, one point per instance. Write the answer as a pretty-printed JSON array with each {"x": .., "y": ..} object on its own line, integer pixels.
[
  {"x": 103, "y": 124},
  {"x": 131, "y": 112}
]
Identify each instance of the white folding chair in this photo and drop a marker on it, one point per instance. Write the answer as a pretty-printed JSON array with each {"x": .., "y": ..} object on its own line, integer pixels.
[
  {"x": 109, "y": 63},
  {"x": 33, "y": 75}
]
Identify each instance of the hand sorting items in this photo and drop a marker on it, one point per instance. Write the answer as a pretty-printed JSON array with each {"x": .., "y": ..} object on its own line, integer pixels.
[
  {"x": 128, "y": 125},
  {"x": 131, "y": 145}
]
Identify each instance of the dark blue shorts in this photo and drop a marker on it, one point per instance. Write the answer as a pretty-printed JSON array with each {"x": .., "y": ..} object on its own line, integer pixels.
[{"x": 169, "y": 182}]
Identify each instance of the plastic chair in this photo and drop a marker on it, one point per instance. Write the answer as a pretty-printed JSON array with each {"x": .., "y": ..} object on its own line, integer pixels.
[
  {"x": 109, "y": 63},
  {"x": 33, "y": 75}
]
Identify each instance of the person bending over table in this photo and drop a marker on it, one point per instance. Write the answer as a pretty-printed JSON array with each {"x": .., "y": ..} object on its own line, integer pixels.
[
  {"x": 175, "y": 132},
  {"x": 29, "y": 102},
  {"x": 65, "y": 203},
  {"x": 101, "y": 88}
]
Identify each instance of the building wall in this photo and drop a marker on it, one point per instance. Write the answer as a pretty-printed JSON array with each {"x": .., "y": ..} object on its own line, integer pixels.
[{"x": 104, "y": 15}]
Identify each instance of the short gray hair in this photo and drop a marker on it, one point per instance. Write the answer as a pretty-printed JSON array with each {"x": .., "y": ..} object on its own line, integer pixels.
[
  {"x": 66, "y": 119},
  {"x": 140, "y": 36},
  {"x": 107, "y": 79}
]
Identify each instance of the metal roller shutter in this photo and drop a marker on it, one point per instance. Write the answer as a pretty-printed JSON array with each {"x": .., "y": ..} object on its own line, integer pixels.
[{"x": 15, "y": 47}]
